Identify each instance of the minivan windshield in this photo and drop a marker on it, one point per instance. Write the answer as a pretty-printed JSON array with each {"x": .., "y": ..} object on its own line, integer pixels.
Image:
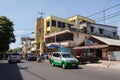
[{"x": 67, "y": 55}]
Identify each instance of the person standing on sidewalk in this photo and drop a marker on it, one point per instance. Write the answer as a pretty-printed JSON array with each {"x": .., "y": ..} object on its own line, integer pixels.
[{"x": 109, "y": 57}]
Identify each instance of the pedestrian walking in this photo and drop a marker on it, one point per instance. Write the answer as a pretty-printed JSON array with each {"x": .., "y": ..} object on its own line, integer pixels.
[{"x": 40, "y": 58}]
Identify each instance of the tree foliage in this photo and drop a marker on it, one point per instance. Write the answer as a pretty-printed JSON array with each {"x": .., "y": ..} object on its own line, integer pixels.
[
  {"x": 16, "y": 50},
  {"x": 6, "y": 33}
]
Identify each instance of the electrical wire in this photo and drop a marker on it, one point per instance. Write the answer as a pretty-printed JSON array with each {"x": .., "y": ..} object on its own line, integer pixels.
[
  {"x": 25, "y": 29},
  {"x": 101, "y": 18},
  {"x": 115, "y": 13},
  {"x": 103, "y": 10}
]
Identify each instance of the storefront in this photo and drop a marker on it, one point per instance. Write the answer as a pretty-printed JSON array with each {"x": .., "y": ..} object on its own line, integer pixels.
[{"x": 99, "y": 47}]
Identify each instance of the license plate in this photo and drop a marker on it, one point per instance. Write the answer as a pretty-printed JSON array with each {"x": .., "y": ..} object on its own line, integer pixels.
[{"x": 73, "y": 64}]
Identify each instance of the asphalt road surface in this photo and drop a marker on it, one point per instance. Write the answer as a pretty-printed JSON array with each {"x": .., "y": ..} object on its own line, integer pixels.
[{"x": 44, "y": 71}]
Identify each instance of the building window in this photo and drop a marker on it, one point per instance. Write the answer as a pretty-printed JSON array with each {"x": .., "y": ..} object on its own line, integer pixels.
[
  {"x": 54, "y": 23},
  {"x": 59, "y": 24},
  {"x": 83, "y": 21},
  {"x": 63, "y": 25},
  {"x": 69, "y": 25},
  {"x": 114, "y": 34},
  {"x": 84, "y": 29},
  {"x": 91, "y": 29},
  {"x": 48, "y": 23},
  {"x": 101, "y": 31}
]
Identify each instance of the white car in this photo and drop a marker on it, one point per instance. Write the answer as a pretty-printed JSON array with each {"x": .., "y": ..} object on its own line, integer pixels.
[
  {"x": 64, "y": 60},
  {"x": 14, "y": 57}
]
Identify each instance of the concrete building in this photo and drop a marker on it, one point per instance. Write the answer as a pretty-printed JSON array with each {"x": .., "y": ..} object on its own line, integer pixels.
[
  {"x": 98, "y": 39},
  {"x": 26, "y": 44},
  {"x": 99, "y": 30},
  {"x": 87, "y": 42},
  {"x": 98, "y": 46},
  {"x": 80, "y": 33},
  {"x": 51, "y": 24},
  {"x": 93, "y": 29}
]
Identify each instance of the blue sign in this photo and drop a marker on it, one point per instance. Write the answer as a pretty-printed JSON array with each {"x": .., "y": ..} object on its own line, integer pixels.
[{"x": 89, "y": 42}]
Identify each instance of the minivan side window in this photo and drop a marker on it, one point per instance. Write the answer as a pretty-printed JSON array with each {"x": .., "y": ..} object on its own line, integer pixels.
[{"x": 56, "y": 55}]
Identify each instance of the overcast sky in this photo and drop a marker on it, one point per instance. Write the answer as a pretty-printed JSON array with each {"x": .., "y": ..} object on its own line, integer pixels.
[{"x": 24, "y": 13}]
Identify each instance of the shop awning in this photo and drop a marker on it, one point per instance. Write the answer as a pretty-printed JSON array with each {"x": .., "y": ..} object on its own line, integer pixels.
[
  {"x": 53, "y": 46},
  {"x": 91, "y": 47}
]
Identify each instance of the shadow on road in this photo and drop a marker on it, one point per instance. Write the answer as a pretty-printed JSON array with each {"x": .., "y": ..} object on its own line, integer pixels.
[
  {"x": 9, "y": 72},
  {"x": 74, "y": 68},
  {"x": 90, "y": 63}
]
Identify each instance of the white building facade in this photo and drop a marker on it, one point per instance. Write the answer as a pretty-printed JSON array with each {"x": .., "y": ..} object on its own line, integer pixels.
[{"x": 102, "y": 30}]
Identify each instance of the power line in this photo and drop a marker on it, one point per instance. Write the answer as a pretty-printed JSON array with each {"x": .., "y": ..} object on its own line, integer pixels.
[
  {"x": 103, "y": 10},
  {"x": 25, "y": 29},
  {"x": 108, "y": 17},
  {"x": 113, "y": 22},
  {"x": 115, "y": 13},
  {"x": 25, "y": 34}
]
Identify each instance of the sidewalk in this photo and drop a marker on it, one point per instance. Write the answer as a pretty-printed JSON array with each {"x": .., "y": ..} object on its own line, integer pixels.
[{"x": 106, "y": 64}]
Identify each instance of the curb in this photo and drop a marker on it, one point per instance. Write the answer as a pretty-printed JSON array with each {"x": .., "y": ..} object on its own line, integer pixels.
[{"x": 106, "y": 64}]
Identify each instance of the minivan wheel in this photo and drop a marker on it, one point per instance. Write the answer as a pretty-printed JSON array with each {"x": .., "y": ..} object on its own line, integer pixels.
[
  {"x": 27, "y": 59},
  {"x": 76, "y": 67},
  {"x": 9, "y": 61},
  {"x": 63, "y": 66}
]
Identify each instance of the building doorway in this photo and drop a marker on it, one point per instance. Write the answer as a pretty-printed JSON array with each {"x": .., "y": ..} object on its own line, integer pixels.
[{"x": 99, "y": 53}]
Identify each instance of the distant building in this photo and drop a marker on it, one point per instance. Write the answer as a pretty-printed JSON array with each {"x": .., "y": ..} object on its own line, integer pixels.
[{"x": 26, "y": 44}]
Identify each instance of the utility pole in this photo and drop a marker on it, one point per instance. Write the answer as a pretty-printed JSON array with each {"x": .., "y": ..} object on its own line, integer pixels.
[
  {"x": 40, "y": 31},
  {"x": 104, "y": 17}
]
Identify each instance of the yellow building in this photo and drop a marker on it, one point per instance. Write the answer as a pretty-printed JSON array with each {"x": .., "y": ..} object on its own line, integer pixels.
[
  {"x": 53, "y": 24},
  {"x": 77, "y": 19}
]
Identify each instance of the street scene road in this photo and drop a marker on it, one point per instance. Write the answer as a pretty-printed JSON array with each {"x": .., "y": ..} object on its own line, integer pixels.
[
  {"x": 41, "y": 35},
  {"x": 33, "y": 70}
]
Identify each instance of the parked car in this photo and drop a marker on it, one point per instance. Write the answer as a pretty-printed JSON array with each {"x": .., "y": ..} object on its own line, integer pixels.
[
  {"x": 84, "y": 59},
  {"x": 14, "y": 57},
  {"x": 31, "y": 57},
  {"x": 63, "y": 59}
]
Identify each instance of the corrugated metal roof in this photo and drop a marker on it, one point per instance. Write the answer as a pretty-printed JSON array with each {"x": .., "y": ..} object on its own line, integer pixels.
[{"x": 108, "y": 41}]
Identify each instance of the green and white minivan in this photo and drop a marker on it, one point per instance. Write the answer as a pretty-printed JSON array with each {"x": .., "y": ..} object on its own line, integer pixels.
[{"x": 64, "y": 59}]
